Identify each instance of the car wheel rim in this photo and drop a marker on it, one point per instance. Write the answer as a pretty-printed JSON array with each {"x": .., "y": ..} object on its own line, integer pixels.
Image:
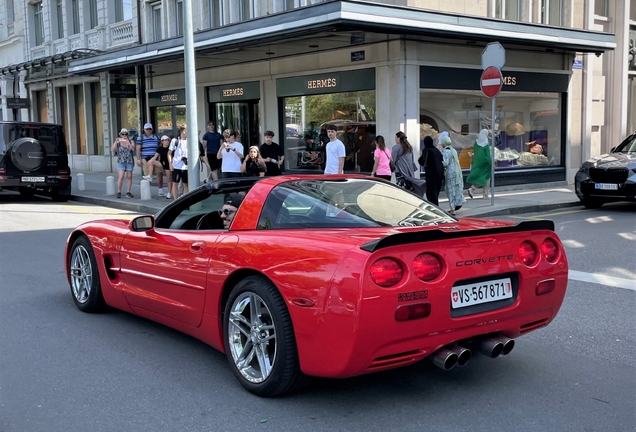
[
  {"x": 252, "y": 337},
  {"x": 81, "y": 274}
]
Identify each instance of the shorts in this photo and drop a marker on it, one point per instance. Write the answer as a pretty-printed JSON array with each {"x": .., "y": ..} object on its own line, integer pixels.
[
  {"x": 144, "y": 166},
  {"x": 125, "y": 166},
  {"x": 215, "y": 163},
  {"x": 180, "y": 175}
]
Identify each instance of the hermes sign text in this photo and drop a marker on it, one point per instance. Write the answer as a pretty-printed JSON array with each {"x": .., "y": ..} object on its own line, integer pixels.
[
  {"x": 321, "y": 83},
  {"x": 169, "y": 97},
  {"x": 233, "y": 92}
]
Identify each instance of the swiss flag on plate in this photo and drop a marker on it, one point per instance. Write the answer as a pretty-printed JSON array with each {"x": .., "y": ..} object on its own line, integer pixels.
[{"x": 455, "y": 297}]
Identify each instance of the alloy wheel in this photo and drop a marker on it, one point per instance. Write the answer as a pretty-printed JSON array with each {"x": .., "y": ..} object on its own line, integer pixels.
[{"x": 81, "y": 274}]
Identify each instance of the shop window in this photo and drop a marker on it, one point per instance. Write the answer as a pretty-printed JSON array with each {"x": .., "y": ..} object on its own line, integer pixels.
[
  {"x": 551, "y": 12},
  {"x": 156, "y": 21},
  {"x": 38, "y": 23},
  {"x": 126, "y": 113},
  {"x": 306, "y": 119},
  {"x": 508, "y": 9},
  {"x": 243, "y": 117},
  {"x": 123, "y": 10},
  {"x": 216, "y": 13},
  {"x": 63, "y": 104},
  {"x": 42, "y": 101},
  {"x": 98, "y": 120},
  {"x": 80, "y": 121},
  {"x": 527, "y": 125},
  {"x": 76, "y": 16},
  {"x": 59, "y": 15}
]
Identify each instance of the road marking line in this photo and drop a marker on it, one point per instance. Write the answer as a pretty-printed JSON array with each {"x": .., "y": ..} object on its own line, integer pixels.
[{"x": 602, "y": 279}]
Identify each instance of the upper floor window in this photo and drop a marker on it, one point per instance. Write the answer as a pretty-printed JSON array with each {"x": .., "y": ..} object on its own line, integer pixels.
[
  {"x": 92, "y": 8},
  {"x": 10, "y": 11},
  {"x": 246, "y": 9},
  {"x": 216, "y": 13},
  {"x": 291, "y": 4},
  {"x": 508, "y": 9},
  {"x": 600, "y": 7},
  {"x": 179, "y": 17},
  {"x": 75, "y": 29},
  {"x": 155, "y": 21},
  {"x": 59, "y": 14},
  {"x": 551, "y": 12},
  {"x": 38, "y": 23},
  {"x": 123, "y": 10}
]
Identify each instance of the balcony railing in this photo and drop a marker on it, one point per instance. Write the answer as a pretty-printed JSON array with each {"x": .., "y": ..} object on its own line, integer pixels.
[
  {"x": 38, "y": 52},
  {"x": 76, "y": 41},
  {"x": 60, "y": 46},
  {"x": 122, "y": 33},
  {"x": 95, "y": 38}
]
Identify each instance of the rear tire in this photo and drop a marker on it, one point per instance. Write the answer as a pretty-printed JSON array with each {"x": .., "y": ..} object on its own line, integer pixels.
[
  {"x": 27, "y": 192},
  {"x": 259, "y": 339},
  {"x": 58, "y": 196},
  {"x": 591, "y": 203},
  {"x": 84, "y": 277}
]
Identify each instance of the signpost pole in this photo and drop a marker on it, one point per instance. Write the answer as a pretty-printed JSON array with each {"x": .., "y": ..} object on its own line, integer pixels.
[
  {"x": 191, "y": 97},
  {"x": 492, "y": 153}
]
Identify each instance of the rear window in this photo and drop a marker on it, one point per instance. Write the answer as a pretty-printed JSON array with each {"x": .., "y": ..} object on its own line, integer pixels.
[
  {"x": 46, "y": 134},
  {"x": 350, "y": 203}
]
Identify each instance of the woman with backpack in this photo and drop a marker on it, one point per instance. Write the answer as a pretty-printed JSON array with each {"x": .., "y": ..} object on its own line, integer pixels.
[{"x": 123, "y": 148}]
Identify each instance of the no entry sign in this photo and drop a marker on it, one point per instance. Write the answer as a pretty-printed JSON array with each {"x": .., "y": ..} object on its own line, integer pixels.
[{"x": 491, "y": 82}]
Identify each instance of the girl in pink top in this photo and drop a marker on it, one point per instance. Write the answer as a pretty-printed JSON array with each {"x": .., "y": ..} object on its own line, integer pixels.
[{"x": 382, "y": 156}]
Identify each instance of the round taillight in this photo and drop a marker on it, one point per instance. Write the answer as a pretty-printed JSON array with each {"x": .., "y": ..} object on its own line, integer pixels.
[
  {"x": 427, "y": 267},
  {"x": 386, "y": 272},
  {"x": 549, "y": 250},
  {"x": 528, "y": 253}
]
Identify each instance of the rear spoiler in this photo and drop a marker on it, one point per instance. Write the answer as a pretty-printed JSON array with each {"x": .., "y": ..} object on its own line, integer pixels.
[{"x": 438, "y": 234}]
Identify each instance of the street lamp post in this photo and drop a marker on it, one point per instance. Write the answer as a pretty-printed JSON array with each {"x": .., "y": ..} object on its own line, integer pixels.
[{"x": 191, "y": 97}]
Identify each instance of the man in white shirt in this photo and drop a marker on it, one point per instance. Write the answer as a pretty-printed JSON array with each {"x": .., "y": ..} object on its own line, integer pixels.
[
  {"x": 231, "y": 153},
  {"x": 335, "y": 152}
]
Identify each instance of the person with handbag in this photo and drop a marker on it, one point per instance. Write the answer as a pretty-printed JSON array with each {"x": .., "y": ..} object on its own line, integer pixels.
[
  {"x": 431, "y": 161},
  {"x": 124, "y": 149},
  {"x": 383, "y": 165},
  {"x": 405, "y": 167}
]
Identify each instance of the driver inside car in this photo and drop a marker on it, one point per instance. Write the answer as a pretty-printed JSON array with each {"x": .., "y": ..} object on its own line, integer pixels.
[{"x": 230, "y": 207}]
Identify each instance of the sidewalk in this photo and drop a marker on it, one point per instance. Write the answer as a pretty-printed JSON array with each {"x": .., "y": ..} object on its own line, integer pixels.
[{"x": 509, "y": 200}]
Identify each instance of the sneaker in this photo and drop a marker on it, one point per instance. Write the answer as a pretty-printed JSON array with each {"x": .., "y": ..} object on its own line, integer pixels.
[
  {"x": 147, "y": 178},
  {"x": 169, "y": 196},
  {"x": 118, "y": 194},
  {"x": 129, "y": 195},
  {"x": 161, "y": 193}
]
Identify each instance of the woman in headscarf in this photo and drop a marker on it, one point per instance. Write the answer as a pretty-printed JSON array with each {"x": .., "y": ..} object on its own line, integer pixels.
[
  {"x": 405, "y": 167},
  {"x": 431, "y": 160},
  {"x": 480, "y": 168},
  {"x": 453, "y": 176}
]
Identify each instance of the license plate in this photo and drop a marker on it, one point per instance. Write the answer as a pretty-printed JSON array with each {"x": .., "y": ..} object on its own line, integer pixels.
[
  {"x": 33, "y": 179},
  {"x": 606, "y": 186},
  {"x": 481, "y": 292}
]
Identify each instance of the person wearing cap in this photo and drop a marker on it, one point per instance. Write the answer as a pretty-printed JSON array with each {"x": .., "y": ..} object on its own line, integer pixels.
[
  {"x": 230, "y": 207},
  {"x": 123, "y": 148},
  {"x": 147, "y": 145},
  {"x": 163, "y": 157}
]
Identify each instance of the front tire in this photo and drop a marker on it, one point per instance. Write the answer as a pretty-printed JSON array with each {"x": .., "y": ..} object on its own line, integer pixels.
[
  {"x": 84, "y": 277},
  {"x": 259, "y": 339}
]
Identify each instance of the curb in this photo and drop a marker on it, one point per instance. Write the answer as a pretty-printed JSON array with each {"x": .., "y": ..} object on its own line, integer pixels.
[
  {"x": 534, "y": 208},
  {"x": 123, "y": 205}
]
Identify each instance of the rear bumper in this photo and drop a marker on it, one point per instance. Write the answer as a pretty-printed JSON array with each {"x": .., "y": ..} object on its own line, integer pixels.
[{"x": 42, "y": 182}]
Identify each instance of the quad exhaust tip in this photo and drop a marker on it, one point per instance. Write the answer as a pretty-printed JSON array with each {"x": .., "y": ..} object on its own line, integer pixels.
[
  {"x": 444, "y": 359},
  {"x": 495, "y": 346},
  {"x": 463, "y": 355}
]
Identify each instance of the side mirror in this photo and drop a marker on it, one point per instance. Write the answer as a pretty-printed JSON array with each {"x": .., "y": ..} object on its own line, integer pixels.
[{"x": 142, "y": 223}]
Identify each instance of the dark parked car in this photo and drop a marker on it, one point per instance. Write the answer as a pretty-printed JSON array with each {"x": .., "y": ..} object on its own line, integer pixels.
[
  {"x": 34, "y": 158},
  {"x": 609, "y": 177}
]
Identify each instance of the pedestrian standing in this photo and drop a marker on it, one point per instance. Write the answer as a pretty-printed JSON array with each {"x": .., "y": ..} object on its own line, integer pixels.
[
  {"x": 230, "y": 154},
  {"x": 382, "y": 159},
  {"x": 212, "y": 142},
  {"x": 335, "y": 152},
  {"x": 481, "y": 165},
  {"x": 254, "y": 165},
  {"x": 162, "y": 155},
  {"x": 147, "y": 145},
  {"x": 123, "y": 148},
  {"x": 272, "y": 154},
  {"x": 431, "y": 162},
  {"x": 179, "y": 162},
  {"x": 405, "y": 167},
  {"x": 452, "y": 176}
]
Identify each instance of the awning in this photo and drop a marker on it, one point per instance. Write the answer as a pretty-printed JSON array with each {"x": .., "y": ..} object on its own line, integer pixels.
[
  {"x": 45, "y": 61},
  {"x": 346, "y": 16}
]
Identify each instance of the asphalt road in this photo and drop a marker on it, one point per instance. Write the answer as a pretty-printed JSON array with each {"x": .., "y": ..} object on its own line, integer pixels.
[{"x": 63, "y": 370}]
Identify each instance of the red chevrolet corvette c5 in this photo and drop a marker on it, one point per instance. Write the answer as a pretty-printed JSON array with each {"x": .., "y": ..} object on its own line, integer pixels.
[{"x": 328, "y": 276}]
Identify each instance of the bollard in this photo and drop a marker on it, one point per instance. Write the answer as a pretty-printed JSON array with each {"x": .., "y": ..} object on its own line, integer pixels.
[
  {"x": 80, "y": 182},
  {"x": 145, "y": 190},
  {"x": 110, "y": 185}
]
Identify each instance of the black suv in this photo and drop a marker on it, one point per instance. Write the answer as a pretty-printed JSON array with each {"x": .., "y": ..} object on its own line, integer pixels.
[{"x": 33, "y": 157}]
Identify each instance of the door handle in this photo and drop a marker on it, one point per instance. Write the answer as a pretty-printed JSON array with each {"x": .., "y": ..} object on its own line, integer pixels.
[{"x": 197, "y": 246}]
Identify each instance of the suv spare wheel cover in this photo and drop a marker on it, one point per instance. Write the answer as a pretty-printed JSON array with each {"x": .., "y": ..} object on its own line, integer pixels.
[{"x": 27, "y": 154}]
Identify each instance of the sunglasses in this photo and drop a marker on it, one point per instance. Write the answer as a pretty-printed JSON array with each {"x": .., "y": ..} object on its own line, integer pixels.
[
  {"x": 227, "y": 212},
  {"x": 125, "y": 134},
  {"x": 148, "y": 129}
]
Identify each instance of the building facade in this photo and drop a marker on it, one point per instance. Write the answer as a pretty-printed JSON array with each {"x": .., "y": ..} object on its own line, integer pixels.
[{"x": 370, "y": 68}]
